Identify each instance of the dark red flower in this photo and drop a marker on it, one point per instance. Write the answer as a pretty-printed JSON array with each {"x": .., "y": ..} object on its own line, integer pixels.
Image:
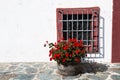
[
  {"x": 58, "y": 41},
  {"x": 57, "y": 56},
  {"x": 70, "y": 55},
  {"x": 51, "y": 59},
  {"x": 81, "y": 41},
  {"x": 74, "y": 40},
  {"x": 44, "y": 45},
  {"x": 64, "y": 60},
  {"x": 77, "y": 51},
  {"x": 65, "y": 47},
  {"x": 47, "y": 42},
  {"x": 67, "y": 55},
  {"x": 50, "y": 52},
  {"x": 77, "y": 59},
  {"x": 76, "y": 44},
  {"x": 83, "y": 51}
]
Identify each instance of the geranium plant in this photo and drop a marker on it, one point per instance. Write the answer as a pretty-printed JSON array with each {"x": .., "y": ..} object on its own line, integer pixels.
[{"x": 67, "y": 52}]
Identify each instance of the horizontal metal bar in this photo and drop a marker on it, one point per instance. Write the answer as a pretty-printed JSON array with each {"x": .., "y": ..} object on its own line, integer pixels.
[
  {"x": 100, "y": 37},
  {"x": 85, "y": 40},
  {"x": 89, "y": 40},
  {"x": 95, "y": 53},
  {"x": 101, "y": 47},
  {"x": 100, "y": 27},
  {"x": 78, "y": 30},
  {"x": 75, "y": 20},
  {"x": 94, "y": 57}
]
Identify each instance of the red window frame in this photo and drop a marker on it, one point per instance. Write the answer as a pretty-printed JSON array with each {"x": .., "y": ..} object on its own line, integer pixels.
[{"x": 94, "y": 11}]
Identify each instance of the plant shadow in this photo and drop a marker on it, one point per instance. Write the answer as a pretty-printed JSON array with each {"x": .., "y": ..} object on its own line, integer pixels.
[
  {"x": 92, "y": 68},
  {"x": 86, "y": 68}
]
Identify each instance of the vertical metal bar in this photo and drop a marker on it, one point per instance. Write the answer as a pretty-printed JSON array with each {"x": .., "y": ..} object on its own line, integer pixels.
[
  {"x": 77, "y": 26},
  {"x": 96, "y": 31},
  {"x": 103, "y": 39},
  {"x": 82, "y": 24},
  {"x": 62, "y": 25},
  {"x": 92, "y": 31},
  {"x": 87, "y": 28},
  {"x": 99, "y": 37},
  {"x": 72, "y": 24},
  {"x": 67, "y": 26},
  {"x": 98, "y": 22}
]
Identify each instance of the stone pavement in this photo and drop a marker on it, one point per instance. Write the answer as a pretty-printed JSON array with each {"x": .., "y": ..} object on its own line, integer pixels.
[{"x": 48, "y": 71}]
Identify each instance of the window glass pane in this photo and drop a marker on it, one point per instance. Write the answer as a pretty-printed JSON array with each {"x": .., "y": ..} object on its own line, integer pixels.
[
  {"x": 89, "y": 25},
  {"x": 89, "y": 42},
  {"x": 74, "y": 16},
  {"x": 89, "y": 35},
  {"x": 79, "y": 35},
  {"x": 64, "y": 25},
  {"x": 85, "y": 42},
  {"x": 64, "y": 17},
  {"x": 79, "y": 17},
  {"x": 84, "y": 25},
  {"x": 79, "y": 25},
  {"x": 69, "y": 17},
  {"x": 90, "y": 16},
  {"x": 75, "y": 25},
  {"x": 85, "y": 16},
  {"x": 65, "y": 35},
  {"x": 70, "y": 25},
  {"x": 70, "y": 34},
  {"x": 84, "y": 35},
  {"x": 74, "y": 34}
]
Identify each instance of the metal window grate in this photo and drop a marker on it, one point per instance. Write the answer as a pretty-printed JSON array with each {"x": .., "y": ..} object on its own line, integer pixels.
[{"x": 83, "y": 25}]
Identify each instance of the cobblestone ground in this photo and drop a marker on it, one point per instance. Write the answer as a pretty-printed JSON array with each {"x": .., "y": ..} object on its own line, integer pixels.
[{"x": 48, "y": 71}]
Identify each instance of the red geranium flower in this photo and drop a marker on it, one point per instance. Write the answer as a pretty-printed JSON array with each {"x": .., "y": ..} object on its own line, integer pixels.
[
  {"x": 63, "y": 60},
  {"x": 77, "y": 51},
  {"x": 65, "y": 47},
  {"x": 83, "y": 51},
  {"x": 76, "y": 44},
  {"x": 77, "y": 59},
  {"x": 70, "y": 55},
  {"x": 57, "y": 56},
  {"x": 67, "y": 54},
  {"x": 65, "y": 51},
  {"x": 51, "y": 59}
]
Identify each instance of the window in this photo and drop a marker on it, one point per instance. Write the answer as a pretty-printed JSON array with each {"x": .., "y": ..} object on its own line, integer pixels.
[{"x": 79, "y": 23}]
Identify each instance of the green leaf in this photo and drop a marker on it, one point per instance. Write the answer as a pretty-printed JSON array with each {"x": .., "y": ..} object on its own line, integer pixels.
[
  {"x": 68, "y": 59},
  {"x": 51, "y": 45}
]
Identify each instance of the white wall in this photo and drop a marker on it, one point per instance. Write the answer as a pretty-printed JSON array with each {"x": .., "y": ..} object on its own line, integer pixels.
[{"x": 25, "y": 25}]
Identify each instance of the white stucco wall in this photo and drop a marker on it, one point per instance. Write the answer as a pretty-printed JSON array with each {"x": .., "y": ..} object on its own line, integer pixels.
[{"x": 25, "y": 25}]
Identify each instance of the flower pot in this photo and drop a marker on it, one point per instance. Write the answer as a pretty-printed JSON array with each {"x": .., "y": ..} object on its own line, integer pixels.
[{"x": 70, "y": 70}]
